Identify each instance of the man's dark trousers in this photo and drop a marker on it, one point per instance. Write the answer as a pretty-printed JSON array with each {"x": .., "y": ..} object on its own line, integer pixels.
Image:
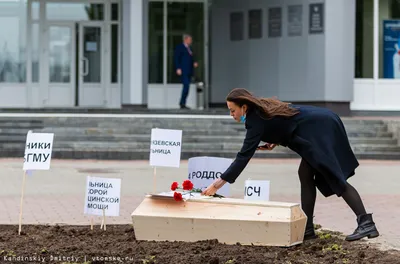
[
  {"x": 183, "y": 58},
  {"x": 185, "y": 79}
]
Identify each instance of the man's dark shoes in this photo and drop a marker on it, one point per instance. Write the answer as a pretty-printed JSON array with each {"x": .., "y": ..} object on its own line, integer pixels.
[
  {"x": 184, "y": 107},
  {"x": 366, "y": 228}
]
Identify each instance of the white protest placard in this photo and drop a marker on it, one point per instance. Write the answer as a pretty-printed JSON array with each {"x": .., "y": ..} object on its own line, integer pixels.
[
  {"x": 38, "y": 149},
  {"x": 205, "y": 170},
  {"x": 256, "y": 190},
  {"x": 165, "y": 147},
  {"x": 102, "y": 193}
]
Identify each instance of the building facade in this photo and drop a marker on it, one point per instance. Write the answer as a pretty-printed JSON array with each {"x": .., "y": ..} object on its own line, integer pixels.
[{"x": 119, "y": 53}]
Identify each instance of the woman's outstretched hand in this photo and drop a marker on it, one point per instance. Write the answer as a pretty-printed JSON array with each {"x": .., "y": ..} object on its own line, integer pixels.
[
  {"x": 267, "y": 146},
  {"x": 213, "y": 187}
]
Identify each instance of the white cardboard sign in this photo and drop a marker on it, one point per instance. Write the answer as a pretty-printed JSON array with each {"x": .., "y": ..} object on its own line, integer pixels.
[
  {"x": 256, "y": 190},
  {"x": 165, "y": 147},
  {"x": 38, "y": 149},
  {"x": 205, "y": 170},
  {"x": 102, "y": 193}
]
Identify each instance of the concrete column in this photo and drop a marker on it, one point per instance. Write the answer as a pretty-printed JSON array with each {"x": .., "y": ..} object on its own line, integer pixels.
[{"x": 133, "y": 53}]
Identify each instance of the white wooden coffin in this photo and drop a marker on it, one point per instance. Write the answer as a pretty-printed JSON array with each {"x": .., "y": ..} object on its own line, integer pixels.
[{"x": 228, "y": 220}]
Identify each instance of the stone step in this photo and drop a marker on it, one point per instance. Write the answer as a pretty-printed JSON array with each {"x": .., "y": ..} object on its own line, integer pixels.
[
  {"x": 17, "y": 120},
  {"x": 216, "y": 130},
  {"x": 17, "y": 131},
  {"x": 131, "y": 146},
  {"x": 369, "y": 134},
  {"x": 144, "y": 154},
  {"x": 187, "y": 131},
  {"x": 373, "y": 140},
  {"x": 185, "y": 125},
  {"x": 375, "y": 148},
  {"x": 186, "y": 138},
  {"x": 161, "y": 119},
  {"x": 152, "y": 122},
  {"x": 29, "y": 125},
  {"x": 180, "y": 123}
]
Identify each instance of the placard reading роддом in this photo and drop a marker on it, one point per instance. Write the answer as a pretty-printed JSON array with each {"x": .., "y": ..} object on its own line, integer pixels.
[{"x": 203, "y": 171}]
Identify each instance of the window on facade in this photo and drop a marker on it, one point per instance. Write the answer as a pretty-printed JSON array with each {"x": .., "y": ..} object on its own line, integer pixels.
[
  {"x": 114, "y": 12},
  {"x": 114, "y": 53},
  {"x": 74, "y": 11},
  {"x": 35, "y": 52},
  {"x": 389, "y": 39},
  {"x": 13, "y": 41},
  {"x": 156, "y": 42},
  {"x": 185, "y": 18},
  {"x": 364, "y": 65}
]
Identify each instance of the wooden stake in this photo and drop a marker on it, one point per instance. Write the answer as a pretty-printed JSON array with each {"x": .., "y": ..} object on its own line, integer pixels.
[
  {"x": 104, "y": 219},
  {"x": 91, "y": 223},
  {"x": 21, "y": 204},
  {"x": 154, "y": 180}
]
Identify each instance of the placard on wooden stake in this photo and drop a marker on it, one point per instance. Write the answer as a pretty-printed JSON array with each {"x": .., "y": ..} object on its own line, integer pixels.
[
  {"x": 102, "y": 198},
  {"x": 165, "y": 150},
  {"x": 37, "y": 156},
  {"x": 226, "y": 219}
]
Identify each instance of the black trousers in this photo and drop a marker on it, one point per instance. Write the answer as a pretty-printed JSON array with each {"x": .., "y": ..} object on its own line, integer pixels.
[{"x": 309, "y": 194}]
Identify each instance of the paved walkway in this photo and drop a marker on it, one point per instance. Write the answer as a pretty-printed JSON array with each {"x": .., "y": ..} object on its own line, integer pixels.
[{"x": 57, "y": 195}]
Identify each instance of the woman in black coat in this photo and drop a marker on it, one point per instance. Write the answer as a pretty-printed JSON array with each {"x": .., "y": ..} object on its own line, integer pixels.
[{"x": 317, "y": 135}]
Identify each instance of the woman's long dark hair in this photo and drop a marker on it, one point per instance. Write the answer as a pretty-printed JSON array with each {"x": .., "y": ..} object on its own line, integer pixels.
[{"x": 269, "y": 107}]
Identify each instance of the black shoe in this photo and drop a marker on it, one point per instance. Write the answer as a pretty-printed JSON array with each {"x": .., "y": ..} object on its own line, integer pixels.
[
  {"x": 184, "y": 107},
  {"x": 310, "y": 234},
  {"x": 366, "y": 228}
]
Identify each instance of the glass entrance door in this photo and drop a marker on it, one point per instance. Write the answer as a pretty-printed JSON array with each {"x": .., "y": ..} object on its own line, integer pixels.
[
  {"x": 91, "y": 56},
  {"x": 168, "y": 21},
  {"x": 79, "y": 53}
]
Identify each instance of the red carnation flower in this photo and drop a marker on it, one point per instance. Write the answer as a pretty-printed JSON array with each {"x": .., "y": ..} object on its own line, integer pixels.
[
  {"x": 187, "y": 185},
  {"x": 174, "y": 186},
  {"x": 178, "y": 196}
]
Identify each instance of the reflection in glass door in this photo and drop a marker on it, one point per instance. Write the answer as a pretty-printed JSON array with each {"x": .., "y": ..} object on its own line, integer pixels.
[
  {"x": 60, "y": 43},
  {"x": 60, "y": 76},
  {"x": 91, "y": 52}
]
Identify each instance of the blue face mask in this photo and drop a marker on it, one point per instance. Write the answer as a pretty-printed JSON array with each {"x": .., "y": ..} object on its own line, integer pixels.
[{"x": 243, "y": 118}]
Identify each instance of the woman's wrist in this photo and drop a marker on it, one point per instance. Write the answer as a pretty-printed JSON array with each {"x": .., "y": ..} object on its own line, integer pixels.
[{"x": 219, "y": 183}]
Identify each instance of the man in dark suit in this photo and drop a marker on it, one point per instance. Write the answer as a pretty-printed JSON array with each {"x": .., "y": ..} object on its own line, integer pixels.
[{"x": 184, "y": 64}]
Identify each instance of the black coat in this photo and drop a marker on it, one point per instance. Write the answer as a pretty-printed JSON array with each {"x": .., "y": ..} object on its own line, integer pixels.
[{"x": 316, "y": 134}]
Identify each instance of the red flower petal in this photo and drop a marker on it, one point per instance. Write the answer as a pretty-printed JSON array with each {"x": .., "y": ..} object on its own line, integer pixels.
[
  {"x": 187, "y": 185},
  {"x": 174, "y": 186},
  {"x": 178, "y": 196}
]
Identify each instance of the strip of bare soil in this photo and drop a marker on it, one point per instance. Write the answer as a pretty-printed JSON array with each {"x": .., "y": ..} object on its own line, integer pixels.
[{"x": 79, "y": 244}]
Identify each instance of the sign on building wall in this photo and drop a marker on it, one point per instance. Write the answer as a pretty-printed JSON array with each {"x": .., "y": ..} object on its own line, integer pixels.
[
  {"x": 236, "y": 26},
  {"x": 391, "y": 49},
  {"x": 316, "y": 18},
  {"x": 295, "y": 20},
  {"x": 274, "y": 22},
  {"x": 255, "y": 24}
]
